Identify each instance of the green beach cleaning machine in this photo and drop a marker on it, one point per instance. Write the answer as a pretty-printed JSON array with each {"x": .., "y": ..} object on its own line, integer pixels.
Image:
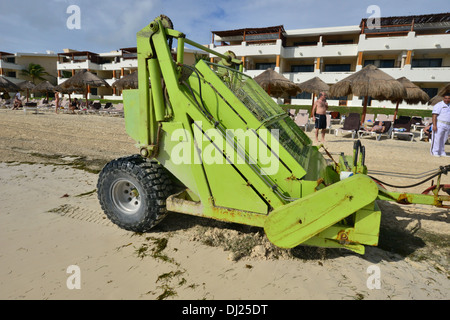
[{"x": 212, "y": 143}]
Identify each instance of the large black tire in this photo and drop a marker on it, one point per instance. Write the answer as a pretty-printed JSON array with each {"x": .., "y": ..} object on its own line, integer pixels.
[{"x": 132, "y": 192}]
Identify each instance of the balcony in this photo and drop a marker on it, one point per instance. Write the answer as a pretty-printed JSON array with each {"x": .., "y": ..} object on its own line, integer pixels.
[
  {"x": 320, "y": 50},
  {"x": 420, "y": 74},
  {"x": 248, "y": 49},
  {"x": 413, "y": 74},
  {"x": 123, "y": 63},
  {"x": 401, "y": 43},
  {"x": 9, "y": 65},
  {"x": 78, "y": 65},
  {"x": 327, "y": 77}
]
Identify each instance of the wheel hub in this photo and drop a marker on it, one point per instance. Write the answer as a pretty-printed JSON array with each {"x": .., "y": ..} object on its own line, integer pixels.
[{"x": 125, "y": 196}]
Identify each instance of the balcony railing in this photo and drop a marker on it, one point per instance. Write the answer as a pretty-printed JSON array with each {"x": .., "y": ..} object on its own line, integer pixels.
[
  {"x": 386, "y": 30},
  {"x": 334, "y": 50},
  {"x": 9, "y": 65}
]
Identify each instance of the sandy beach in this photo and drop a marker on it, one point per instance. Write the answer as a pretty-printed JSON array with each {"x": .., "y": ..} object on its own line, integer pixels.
[{"x": 50, "y": 220}]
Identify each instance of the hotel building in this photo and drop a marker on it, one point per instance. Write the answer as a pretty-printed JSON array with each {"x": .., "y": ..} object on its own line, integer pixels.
[
  {"x": 12, "y": 65},
  {"x": 109, "y": 66},
  {"x": 415, "y": 47}
]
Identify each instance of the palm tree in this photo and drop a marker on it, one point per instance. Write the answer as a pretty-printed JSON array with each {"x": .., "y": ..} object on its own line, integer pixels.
[{"x": 35, "y": 71}]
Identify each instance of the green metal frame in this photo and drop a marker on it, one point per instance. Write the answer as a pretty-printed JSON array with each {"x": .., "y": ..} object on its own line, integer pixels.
[{"x": 303, "y": 202}]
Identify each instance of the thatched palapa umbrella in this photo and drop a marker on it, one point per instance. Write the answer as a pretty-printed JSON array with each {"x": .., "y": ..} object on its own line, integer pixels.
[
  {"x": 369, "y": 82},
  {"x": 68, "y": 90},
  {"x": 276, "y": 85},
  {"x": 130, "y": 81},
  {"x": 82, "y": 80},
  {"x": 6, "y": 85},
  {"x": 314, "y": 86},
  {"x": 437, "y": 98},
  {"x": 26, "y": 85},
  {"x": 414, "y": 94},
  {"x": 44, "y": 86}
]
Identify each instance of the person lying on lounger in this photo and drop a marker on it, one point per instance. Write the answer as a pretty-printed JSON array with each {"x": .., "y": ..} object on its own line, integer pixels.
[{"x": 379, "y": 127}]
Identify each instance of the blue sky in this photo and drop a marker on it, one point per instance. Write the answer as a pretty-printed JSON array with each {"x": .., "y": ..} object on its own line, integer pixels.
[{"x": 105, "y": 25}]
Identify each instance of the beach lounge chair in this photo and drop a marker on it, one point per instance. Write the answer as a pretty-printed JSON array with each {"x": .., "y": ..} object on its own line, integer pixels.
[
  {"x": 381, "y": 117},
  {"x": 335, "y": 117},
  {"x": 378, "y": 133},
  {"x": 329, "y": 120},
  {"x": 42, "y": 104},
  {"x": 292, "y": 113},
  {"x": 370, "y": 117},
  {"x": 302, "y": 120},
  {"x": 94, "y": 108},
  {"x": 64, "y": 106},
  {"x": 427, "y": 120},
  {"x": 351, "y": 124},
  {"x": 117, "y": 110},
  {"x": 417, "y": 123},
  {"x": 402, "y": 127},
  {"x": 9, "y": 103},
  {"x": 105, "y": 110}
]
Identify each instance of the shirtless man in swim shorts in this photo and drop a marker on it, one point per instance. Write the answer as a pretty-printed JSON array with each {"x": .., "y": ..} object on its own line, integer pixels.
[{"x": 319, "y": 112}]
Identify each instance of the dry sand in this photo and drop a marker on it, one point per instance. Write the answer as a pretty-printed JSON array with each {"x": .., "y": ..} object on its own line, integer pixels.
[{"x": 50, "y": 219}]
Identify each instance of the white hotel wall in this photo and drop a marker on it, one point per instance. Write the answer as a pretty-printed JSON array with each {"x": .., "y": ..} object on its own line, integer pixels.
[
  {"x": 410, "y": 42},
  {"x": 251, "y": 50},
  {"x": 382, "y": 46},
  {"x": 335, "y": 51},
  {"x": 88, "y": 65}
]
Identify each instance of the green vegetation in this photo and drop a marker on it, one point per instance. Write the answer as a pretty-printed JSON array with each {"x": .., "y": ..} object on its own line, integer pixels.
[
  {"x": 343, "y": 110},
  {"x": 102, "y": 101},
  {"x": 35, "y": 71}
]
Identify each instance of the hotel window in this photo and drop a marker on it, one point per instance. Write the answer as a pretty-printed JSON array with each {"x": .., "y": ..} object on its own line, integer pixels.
[
  {"x": 431, "y": 92},
  {"x": 305, "y": 43},
  {"x": 388, "y": 63},
  {"x": 264, "y": 66},
  {"x": 11, "y": 74},
  {"x": 66, "y": 74},
  {"x": 337, "y": 67},
  {"x": 338, "y": 42},
  {"x": 129, "y": 55},
  {"x": 302, "y": 68},
  {"x": 426, "y": 63}
]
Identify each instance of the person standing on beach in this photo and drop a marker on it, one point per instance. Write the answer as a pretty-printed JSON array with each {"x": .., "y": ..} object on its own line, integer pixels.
[
  {"x": 441, "y": 126},
  {"x": 57, "y": 106},
  {"x": 319, "y": 112}
]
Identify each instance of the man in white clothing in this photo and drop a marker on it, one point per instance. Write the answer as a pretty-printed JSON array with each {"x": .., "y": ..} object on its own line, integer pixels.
[{"x": 441, "y": 126}]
